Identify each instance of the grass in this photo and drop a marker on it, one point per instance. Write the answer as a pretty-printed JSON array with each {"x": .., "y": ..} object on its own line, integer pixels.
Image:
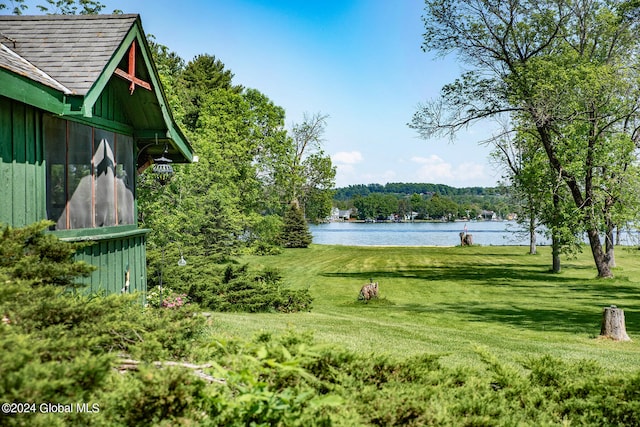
[{"x": 454, "y": 301}]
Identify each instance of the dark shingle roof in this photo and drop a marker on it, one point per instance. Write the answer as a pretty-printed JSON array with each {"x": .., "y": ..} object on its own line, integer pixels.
[
  {"x": 14, "y": 62},
  {"x": 72, "y": 50}
]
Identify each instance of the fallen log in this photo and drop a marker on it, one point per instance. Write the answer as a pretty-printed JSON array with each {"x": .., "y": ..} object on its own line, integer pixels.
[{"x": 133, "y": 365}]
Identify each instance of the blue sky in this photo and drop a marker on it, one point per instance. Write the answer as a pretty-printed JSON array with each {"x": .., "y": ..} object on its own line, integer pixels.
[{"x": 358, "y": 61}]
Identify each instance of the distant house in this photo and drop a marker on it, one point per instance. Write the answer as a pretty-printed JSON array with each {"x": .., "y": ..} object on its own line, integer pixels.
[
  {"x": 488, "y": 215},
  {"x": 340, "y": 214},
  {"x": 82, "y": 112},
  {"x": 410, "y": 216}
]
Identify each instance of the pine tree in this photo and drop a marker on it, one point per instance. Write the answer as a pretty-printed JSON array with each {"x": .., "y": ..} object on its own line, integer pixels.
[{"x": 295, "y": 231}]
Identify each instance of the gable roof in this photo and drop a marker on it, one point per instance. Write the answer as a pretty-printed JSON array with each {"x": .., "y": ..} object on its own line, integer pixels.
[
  {"x": 72, "y": 49},
  {"x": 14, "y": 62},
  {"x": 63, "y": 63}
]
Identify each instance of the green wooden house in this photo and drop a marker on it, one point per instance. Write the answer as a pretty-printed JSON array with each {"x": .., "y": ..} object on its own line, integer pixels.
[{"x": 82, "y": 113}]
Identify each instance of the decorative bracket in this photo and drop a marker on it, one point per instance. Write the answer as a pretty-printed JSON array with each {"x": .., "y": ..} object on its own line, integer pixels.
[{"x": 130, "y": 76}]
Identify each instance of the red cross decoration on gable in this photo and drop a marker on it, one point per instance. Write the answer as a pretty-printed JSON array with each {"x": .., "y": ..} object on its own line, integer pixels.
[{"x": 130, "y": 76}]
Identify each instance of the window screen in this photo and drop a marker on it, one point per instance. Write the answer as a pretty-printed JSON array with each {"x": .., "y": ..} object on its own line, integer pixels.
[{"x": 90, "y": 176}]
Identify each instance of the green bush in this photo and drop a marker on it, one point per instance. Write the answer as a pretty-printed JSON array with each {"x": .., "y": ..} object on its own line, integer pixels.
[
  {"x": 61, "y": 348},
  {"x": 31, "y": 254},
  {"x": 152, "y": 396},
  {"x": 231, "y": 287},
  {"x": 264, "y": 232},
  {"x": 262, "y": 248}
]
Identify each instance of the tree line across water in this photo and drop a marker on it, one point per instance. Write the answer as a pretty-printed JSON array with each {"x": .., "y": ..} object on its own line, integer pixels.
[{"x": 423, "y": 201}]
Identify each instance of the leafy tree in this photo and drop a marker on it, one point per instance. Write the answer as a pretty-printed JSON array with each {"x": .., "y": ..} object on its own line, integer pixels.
[
  {"x": 317, "y": 190},
  {"x": 559, "y": 68},
  {"x": 207, "y": 204},
  {"x": 216, "y": 204},
  {"x": 307, "y": 171},
  {"x": 17, "y": 6},
  {"x": 543, "y": 200},
  {"x": 271, "y": 146},
  {"x": 409, "y": 189},
  {"x": 418, "y": 204},
  {"x": 514, "y": 155},
  {"x": 441, "y": 207},
  {"x": 249, "y": 167},
  {"x": 376, "y": 206},
  {"x": 59, "y": 7}
]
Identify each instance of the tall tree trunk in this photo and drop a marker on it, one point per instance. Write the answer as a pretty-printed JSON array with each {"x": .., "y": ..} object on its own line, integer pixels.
[
  {"x": 555, "y": 241},
  {"x": 583, "y": 203},
  {"x": 609, "y": 246},
  {"x": 555, "y": 253},
  {"x": 532, "y": 235},
  {"x": 599, "y": 256},
  {"x": 610, "y": 226}
]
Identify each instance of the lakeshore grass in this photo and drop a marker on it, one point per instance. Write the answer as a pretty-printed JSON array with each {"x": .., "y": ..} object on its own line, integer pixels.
[{"x": 454, "y": 302}]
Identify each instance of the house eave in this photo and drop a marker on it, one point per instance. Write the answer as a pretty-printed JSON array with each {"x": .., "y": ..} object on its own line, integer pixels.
[
  {"x": 23, "y": 82},
  {"x": 180, "y": 145},
  {"x": 25, "y": 90}
]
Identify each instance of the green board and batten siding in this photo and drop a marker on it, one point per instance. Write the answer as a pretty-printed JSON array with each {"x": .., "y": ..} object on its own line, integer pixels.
[
  {"x": 114, "y": 250},
  {"x": 38, "y": 77},
  {"x": 22, "y": 170},
  {"x": 114, "y": 258}
]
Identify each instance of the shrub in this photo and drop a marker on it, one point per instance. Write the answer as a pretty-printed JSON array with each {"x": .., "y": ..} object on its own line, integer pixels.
[
  {"x": 261, "y": 248},
  {"x": 241, "y": 290},
  {"x": 163, "y": 297},
  {"x": 30, "y": 254},
  {"x": 61, "y": 348},
  {"x": 264, "y": 231},
  {"x": 232, "y": 287}
]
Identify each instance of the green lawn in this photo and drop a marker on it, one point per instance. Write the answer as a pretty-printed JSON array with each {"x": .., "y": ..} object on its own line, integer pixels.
[{"x": 452, "y": 301}]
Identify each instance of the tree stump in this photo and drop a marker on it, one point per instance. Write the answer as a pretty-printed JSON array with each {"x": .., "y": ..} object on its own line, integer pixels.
[
  {"x": 613, "y": 324},
  {"x": 466, "y": 239}
]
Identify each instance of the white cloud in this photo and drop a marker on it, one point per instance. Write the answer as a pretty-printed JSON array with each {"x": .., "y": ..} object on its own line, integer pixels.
[
  {"x": 352, "y": 168},
  {"x": 435, "y": 169},
  {"x": 347, "y": 157},
  {"x": 470, "y": 171}
]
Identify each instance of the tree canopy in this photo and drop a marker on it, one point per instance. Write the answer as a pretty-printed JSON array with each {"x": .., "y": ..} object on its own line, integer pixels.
[
  {"x": 57, "y": 7},
  {"x": 565, "y": 73},
  {"x": 250, "y": 167}
]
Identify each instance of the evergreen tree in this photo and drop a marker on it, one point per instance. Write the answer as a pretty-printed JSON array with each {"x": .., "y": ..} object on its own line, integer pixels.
[{"x": 295, "y": 231}]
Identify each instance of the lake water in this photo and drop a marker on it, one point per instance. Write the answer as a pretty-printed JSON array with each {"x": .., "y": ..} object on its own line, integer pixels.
[{"x": 485, "y": 233}]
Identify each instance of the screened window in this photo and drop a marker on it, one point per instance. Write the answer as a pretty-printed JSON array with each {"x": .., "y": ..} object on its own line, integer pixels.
[
  {"x": 90, "y": 179},
  {"x": 124, "y": 180}
]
